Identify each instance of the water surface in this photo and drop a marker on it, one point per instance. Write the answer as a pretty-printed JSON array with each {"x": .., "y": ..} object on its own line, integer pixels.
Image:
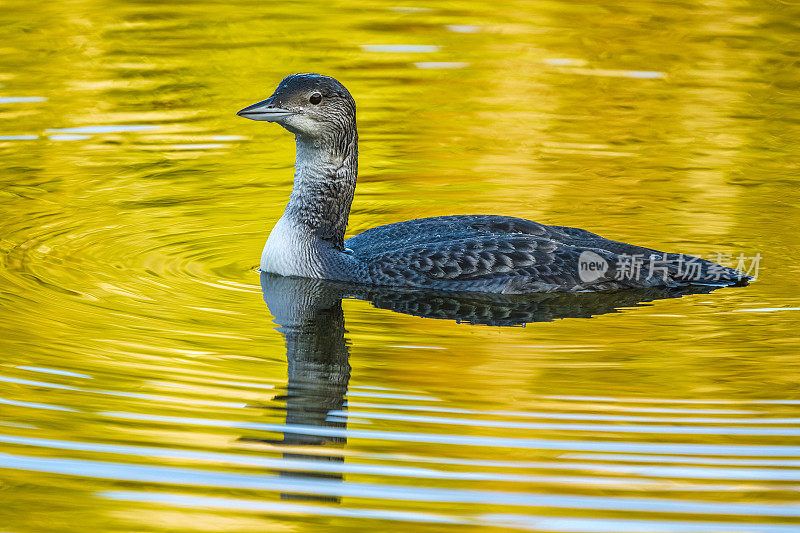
[{"x": 146, "y": 388}]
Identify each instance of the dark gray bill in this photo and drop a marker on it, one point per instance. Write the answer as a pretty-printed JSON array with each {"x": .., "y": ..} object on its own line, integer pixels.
[{"x": 264, "y": 110}]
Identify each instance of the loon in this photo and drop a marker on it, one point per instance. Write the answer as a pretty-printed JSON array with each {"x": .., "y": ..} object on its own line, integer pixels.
[{"x": 475, "y": 253}]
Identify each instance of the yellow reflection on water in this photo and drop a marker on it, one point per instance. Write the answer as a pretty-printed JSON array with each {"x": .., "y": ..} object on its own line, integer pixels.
[{"x": 135, "y": 203}]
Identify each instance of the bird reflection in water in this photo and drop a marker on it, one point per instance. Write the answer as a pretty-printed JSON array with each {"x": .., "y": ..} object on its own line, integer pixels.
[{"x": 309, "y": 315}]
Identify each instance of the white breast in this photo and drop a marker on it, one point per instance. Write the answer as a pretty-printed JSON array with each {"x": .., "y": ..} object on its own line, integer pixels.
[{"x": 287, "y": 252}]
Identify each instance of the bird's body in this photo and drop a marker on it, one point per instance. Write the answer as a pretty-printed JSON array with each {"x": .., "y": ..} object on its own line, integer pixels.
[{"x": 484, "y": 253}]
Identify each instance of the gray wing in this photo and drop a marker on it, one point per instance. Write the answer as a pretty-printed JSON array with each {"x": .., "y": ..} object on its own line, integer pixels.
[
  {"x": 506, "y": 264},
  {"x": 439, "y": 229},
  {"x": 492, "y": 253},
  {"x": 442, "y": 229}
]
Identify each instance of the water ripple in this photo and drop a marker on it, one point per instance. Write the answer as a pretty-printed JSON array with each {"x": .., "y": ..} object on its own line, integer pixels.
[
  {"x": 205, "y": 478},
  {"x": 526, "y": 522},
  {"x": 471, "y": 440}
]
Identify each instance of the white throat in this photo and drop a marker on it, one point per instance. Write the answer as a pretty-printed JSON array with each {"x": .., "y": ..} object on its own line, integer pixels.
[{"x": 306, "y": 241}]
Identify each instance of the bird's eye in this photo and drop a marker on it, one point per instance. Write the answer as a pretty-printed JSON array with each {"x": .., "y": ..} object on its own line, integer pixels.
[{"x": 315, "y": 98}]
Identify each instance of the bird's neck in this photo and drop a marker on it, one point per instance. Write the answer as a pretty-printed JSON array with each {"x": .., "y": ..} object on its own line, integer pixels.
[{"x": 324, "y": 182}]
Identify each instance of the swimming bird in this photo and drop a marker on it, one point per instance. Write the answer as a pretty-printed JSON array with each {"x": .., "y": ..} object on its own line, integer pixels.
[{"x": 482, "y": 253}]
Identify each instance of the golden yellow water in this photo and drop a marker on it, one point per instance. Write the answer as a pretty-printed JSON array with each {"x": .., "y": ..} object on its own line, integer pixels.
[{"x": 145, "y": 389}]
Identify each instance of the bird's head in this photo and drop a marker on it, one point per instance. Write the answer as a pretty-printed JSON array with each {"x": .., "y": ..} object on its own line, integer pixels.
[{"x": 312, "y": 106}]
